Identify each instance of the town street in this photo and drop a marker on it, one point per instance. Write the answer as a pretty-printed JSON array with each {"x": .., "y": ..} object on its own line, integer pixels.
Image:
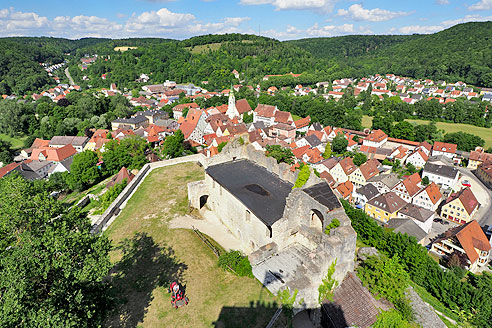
[
  {"x": 483, "y": 195},
  {"x": 67, "y": 73}
]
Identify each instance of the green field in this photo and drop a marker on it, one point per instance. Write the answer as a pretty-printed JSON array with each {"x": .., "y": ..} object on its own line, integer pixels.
[
  {"x": 148, "y": 255},
  {"x": 484, "y": 133},
  {"x": 17, "y": 143},
  {"x": 204, "y": 48}
]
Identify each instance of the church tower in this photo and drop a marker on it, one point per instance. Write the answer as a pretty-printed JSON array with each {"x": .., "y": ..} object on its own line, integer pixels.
[{"x": 231, "y": 108}]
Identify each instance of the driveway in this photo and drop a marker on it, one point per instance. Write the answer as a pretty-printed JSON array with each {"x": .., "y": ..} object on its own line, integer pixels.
[{"x": 483, "y": 195}]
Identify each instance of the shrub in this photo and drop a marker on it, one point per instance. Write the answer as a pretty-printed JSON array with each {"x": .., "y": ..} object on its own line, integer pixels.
[
  {"x": 303, "y": 177},
  {"x": 333, "y": 224},
  {"x": 328, "y": 284},
  {"x": 236, "y": 263}
]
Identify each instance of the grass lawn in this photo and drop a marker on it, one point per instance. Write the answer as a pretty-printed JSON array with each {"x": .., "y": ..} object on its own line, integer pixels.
[
  {"x": 148, "y": 256},
  {"x": 366, "y": 121},
  {"x": 484, "y": 133},
  {"x": 296, "y": 118},
  {"x": 204, "y": 48},
  {"x": 17, "y": 143}
]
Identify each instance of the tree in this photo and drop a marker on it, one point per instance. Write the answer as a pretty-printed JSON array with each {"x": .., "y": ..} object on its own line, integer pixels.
[
  {"x": 128, "y": 152},
  {"x": 5, "y": 152},
  {"x": 303, "y": 176},
  {"x": 359, "y": 159},
  {"x": 403, "y": 130},
  {"x": 339, "y": 144},
  {"x": 173, "y": 145},
  {"x": 221, "y": 146},
  {"x": 411, "y": 168},
  {"x": 327, "y": 152},
  {"x": 425, "y": 181},
  {"x": 464, "y": 141},
  {"x": 53, "y": 266},
  {"x": 83, "y": 171},
  {"x": 247, "y": 118},
  {"x": 282, "y": 155},
  {"x": 390, "y": 319}
]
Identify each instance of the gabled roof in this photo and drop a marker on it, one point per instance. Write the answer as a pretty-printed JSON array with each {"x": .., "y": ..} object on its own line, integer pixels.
[
  {"x": 467, "y": 198},
  {"x": 303, "y": 122},
  {"x": 345, "y": 189},
  {"x": 389, "y": 180},
  {"x": 180, "y": 107},
  {"x": 408, "y": 227},
  {"x": 298, "y": 152},
  {"x": 348, "y": 165},
  {"x": 243, "y": 106},
  {"x": 283, "y": 117},
  {"x": 313, "y": 140},
  {"x": 8, "y": 168},
  {"x": 314, "y": 155},
  {"x": 265, "y": 110},
  {"x": 433, "y": 192},
  {"x": 376, "y": 136},
  {"x": 480, "y": 156},
  {"x": 411, "y": 184},
  {"x": 416, "y": 212},
  {"x": 330, "y": 162},
  {"x": 369, "y": 191},
  {"x": 389, "y": 202},
  {"x": 471, "y": 237},
  {"x": 122, "y": 175},
  {"x": 444, "y": 147},
  {"x": 369, "y": 169},
  {"x": 442, "y": 170},
  {"x": 328, "y": 177}
]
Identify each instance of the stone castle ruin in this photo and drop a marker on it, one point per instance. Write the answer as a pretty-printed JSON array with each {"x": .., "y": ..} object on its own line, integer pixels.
[{"x": 280, "y": 229}]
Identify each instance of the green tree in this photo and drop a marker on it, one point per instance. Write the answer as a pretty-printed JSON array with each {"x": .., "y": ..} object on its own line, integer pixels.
[
  {"x": 359, "y": 159},
  {"x": 173, "y": 145},
  {"x": 83, "y": 171},
  {"x": 339, "y": 144},
  {"x": 221, "y": 146},
  {"x": 282, "y": 155},
  {"x": 390, "y": 319},
  {"x": 52, "y": 269},
  {"x": 128, "y": 152},
  {"x": 327, "y": 152},
  {"x": 464, "y": 141},
  {"x": 302, "y": 177},
  {"x": 425, "y": 181},
  {"x": 403, "y": 130},
  {"x": 247, "y": 118}
]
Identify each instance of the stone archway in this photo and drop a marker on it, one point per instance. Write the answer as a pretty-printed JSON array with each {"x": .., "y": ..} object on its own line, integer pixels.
[
  {"x": 203, "y": 200},
  {"x": 316, "y": 219}
]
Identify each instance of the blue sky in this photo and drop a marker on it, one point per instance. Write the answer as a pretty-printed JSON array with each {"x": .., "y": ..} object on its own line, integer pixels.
[{"x": 281, "y": 19}]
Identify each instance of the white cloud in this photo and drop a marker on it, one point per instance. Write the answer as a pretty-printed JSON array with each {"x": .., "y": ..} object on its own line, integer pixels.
[
  {"x": 422, "y": 29},
  {"x": 442, "y": 2},
  {"x": 314, "y": 5},
  {"x": 358, "y": 13},
  {"x": 330, "y": 30},
  {"x": 481, "y": 5},
  {"x": 19, "y": 23}
]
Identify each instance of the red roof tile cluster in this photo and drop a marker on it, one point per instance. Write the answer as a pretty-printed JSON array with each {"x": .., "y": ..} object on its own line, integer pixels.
[
  {"x": 467, "y": 198},
  {"x": 265, "y": 110},
  {"x": 471, "y": 237},
  {"x": 444, "y": 147},
  {"x": 376, "y": 136},
  {"x": 303, "y": 122}
]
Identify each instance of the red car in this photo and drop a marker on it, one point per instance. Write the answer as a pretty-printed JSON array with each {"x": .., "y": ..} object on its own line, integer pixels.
[{"x": 466, "y": 183}]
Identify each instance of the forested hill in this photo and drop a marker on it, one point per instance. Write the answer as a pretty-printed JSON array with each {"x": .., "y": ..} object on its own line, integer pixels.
[
  {"x": 462, "y": 52},
  {"x": 349, "y": 46}
]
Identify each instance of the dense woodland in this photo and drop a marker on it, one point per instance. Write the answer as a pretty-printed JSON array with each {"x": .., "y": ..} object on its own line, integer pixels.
[{"x": 462, "y": 52}]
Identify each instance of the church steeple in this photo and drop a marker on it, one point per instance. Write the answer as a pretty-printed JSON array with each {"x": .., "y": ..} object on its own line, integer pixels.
[{"x": 231, "y": 108}]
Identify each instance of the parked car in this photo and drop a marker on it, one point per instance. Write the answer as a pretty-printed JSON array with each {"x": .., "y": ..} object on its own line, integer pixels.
[{"x": 466, "y": 183}]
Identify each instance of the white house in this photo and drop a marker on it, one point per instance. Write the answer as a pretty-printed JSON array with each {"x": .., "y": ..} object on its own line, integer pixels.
[
  {"x": 429, "y": 197},
  {"x": 421, "y": 216},
  {"x": 443, "y": 175},
  {"x": 443, "y": 148}
]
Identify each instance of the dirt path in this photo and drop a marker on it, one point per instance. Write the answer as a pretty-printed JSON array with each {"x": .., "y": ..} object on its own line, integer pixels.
[
  {"x": 209, "y": 225},
  {"x": 67, "y": 73}
]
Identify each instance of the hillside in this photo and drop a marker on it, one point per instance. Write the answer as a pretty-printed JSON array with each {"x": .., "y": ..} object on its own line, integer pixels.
[{"x": 461, "y": 52}]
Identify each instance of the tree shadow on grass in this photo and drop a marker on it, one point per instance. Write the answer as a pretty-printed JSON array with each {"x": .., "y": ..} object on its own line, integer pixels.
[{"x": 143, "y": 267}]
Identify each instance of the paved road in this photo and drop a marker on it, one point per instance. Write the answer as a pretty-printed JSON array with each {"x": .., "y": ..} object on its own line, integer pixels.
[
  {"x": 484, "y": 196},
  {"x": 67, "y": 73}
]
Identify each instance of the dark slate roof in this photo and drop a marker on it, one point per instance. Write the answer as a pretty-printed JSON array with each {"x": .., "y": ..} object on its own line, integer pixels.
[
  {"x": 418, "y": 213},
  {"x": 407, "y": 226},
  {"x": 262, "y": 192},
  {"x": 132, "y": 120},
  {"x": 324, "y": 195},
  {"x": 442, "y": 170},
  {"x": 317, "y": 126},
  {"x": 313, "y": 140},
  {"x": 369, "y": 191}
]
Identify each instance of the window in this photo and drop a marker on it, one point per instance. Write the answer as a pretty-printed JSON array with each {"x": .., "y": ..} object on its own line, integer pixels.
[
  {"x": 248, "y": 216},
  {"x": 377, "y": 210}
]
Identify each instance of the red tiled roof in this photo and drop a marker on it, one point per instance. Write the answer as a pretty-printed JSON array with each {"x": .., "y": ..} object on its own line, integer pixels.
[
  {"x": 283, "y": 117},
  {"x": 480, "y": 156},
  {"x": 444, "y": 147},
  {"x": 470, "y": 237},
  {"x": 345, "y": 189},
  {"x": 328, "y": 177},
  {"x": 369, "y": 169},
  {"x": 376, "y": 136},
  {"x": 467, "y": 198},
  {"x": 433, "y": 193},
  {"x": 243, "y": 106},
  {"x": 303, "y": 122},
  {"x": 298, "y": 152},
  {"x": 180, "y": 107},
  {"x": 8, "y": 168},
  {"x": 348, "y": 165},
  {"x": 265, "y": 110}
]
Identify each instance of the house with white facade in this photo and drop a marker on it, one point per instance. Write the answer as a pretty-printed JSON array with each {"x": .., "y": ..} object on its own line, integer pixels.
[
  {"x": 443, "y": 175},
  {"x": 429, "y": 197}
]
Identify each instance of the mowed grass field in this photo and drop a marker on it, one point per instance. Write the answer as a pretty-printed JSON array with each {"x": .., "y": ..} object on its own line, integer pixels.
[
  {"x": 123, "y": 49},
  {"x": 17, "y": 143},
  {"x": 204, "y": 48},
  {"x": 484, "y": 133},
  {"x": 148, "y": 256}
]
